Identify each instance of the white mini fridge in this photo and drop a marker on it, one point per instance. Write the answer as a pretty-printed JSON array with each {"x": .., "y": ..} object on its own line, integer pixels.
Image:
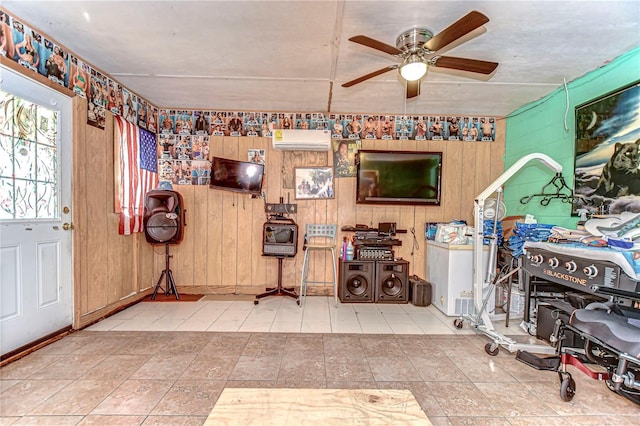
[{"x": 450, "y": 271}]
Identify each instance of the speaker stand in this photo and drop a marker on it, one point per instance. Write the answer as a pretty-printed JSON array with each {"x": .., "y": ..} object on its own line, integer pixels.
[
  {"x": 170, "y": 284},
  {"x": 279, "y": 290}
]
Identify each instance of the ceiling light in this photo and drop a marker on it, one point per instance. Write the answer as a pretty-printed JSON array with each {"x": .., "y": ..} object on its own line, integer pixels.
[{"x": 413, "y": 68}]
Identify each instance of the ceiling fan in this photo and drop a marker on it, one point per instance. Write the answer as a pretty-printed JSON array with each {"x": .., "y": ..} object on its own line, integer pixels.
[{"x": 418, "y": 49}]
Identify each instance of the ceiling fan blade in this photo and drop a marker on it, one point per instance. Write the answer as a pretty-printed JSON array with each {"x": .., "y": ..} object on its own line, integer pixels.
[
  {"x": 464, "y": 64},
  {"x": 375, "y": 44},
  {"x": 370, "y": 75},
  {"x": 461, "y": 27},
  {"x": 413, "y": 88},
  {"x": 458, "y": 42}
]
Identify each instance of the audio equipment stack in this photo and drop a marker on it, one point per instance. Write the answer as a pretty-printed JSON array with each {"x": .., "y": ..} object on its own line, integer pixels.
[
  {"x": 375, "y": 275},
  {"x": 370, "y": 281}
]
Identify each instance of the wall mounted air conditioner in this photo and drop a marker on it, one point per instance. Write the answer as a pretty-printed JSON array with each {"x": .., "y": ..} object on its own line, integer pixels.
[{"x": 301, "y": 140}]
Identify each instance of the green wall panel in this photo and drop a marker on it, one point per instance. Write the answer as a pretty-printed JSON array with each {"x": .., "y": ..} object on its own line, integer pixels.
[{"x": 540, "y": 127}]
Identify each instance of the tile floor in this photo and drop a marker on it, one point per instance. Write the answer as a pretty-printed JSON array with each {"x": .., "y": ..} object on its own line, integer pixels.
[
  {"x": 282, "y": 315},
  {"x": 167, "y": 363}
]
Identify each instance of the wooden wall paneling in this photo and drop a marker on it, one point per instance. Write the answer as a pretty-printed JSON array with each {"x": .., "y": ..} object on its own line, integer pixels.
[
  {"x": 331, "y": 216},
  {"x": 79, "y": 210},
  {"x": 273, "y": 191},
  {"x": 345, "y": 210},
  {"x": 214, "y": 225},
  {"x": 120, "y": 256},
  {"x": 214, "y": 238},
  {"x": 439, "y": 213},
  {"x": 145, "y": 272},
  {"x": 198, "y": 225},
  {"x": 121, "y": 259},
  {"x": 426, "y": 214},
  {"x": 324, "y": 213},
  {"x": 182, "y": 262},
  {"x": 498, "y": 149},
  {"x": 405, "y": 219},
  {"x": 483, "y": 168},
  {"x": 230, "y": 224},
  {"x": 97, "y": 144},
  {"x": 236, "y": 222},
  {"x": 345, "y": 203},
  {"x": 468, "y": 183},
  {"x": 364, "y": 215},
  {"x": 452, "y": 172},
  {"x": 423, "y": 214},
  {"x": 245, "y": 240},
  {"x": 258, "y": 265},
  {"x": 306, "y": 215}
]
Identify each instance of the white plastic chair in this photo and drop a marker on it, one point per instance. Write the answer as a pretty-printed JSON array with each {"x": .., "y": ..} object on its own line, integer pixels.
[{"x": 319, "y": 237}]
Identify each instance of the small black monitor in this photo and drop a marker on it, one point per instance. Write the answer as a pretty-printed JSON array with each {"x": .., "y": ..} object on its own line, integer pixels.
[{"x": 238, "y": 176}]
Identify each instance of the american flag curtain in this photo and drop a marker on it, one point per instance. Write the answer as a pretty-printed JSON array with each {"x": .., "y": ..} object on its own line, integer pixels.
[{"x": 136, "y": 172}]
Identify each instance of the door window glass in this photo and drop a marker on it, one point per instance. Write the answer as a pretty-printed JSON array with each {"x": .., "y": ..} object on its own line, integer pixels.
[{"x": 28, "y": 160}]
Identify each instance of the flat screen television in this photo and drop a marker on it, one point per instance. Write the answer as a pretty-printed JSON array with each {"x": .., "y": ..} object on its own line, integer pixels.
[
  {"x": 398, "y": 177},
  {"x": 238, "y": 176}
]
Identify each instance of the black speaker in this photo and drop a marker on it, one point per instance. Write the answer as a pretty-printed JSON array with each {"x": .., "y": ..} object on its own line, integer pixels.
[
  {"x": 164, "y": 216},
  {"x": 392, "y": 281},
  {"x": 356, "y": 281}
]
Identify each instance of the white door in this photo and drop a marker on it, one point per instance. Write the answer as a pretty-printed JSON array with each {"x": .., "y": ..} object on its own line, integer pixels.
[{"x": 36, "y": 286}]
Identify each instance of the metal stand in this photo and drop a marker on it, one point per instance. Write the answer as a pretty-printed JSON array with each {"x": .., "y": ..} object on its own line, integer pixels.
[
  {"x": 480, "y": 320},
  {"x": 279, "y": 290},
  {"x": 170, "y": 284}
]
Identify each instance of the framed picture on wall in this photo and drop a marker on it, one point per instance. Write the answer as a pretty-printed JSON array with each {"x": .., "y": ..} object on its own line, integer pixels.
[
  {"x": 607, "y": 163},
  {"x": 314, "y": 183}
]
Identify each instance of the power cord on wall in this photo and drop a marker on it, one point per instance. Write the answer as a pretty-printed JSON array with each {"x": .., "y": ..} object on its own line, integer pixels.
[
  {"x": 566, "y": 111},
  {"x": 414, "y": 245}
]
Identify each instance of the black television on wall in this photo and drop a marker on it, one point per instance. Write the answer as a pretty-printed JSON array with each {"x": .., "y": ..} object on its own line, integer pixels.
[
  {"x": 399, "y": 177},
  {"x": 237, "y": 176}
]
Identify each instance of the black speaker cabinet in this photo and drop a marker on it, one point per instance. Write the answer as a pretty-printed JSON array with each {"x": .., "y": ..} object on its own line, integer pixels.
[
  {"x": 357, "y": 281},
  {"x": 164, "y": 216},
  {"x": 392, "y": 281}
]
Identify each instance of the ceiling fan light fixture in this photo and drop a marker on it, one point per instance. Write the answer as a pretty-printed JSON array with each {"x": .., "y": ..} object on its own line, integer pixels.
[{"x": 413, "y": 68}]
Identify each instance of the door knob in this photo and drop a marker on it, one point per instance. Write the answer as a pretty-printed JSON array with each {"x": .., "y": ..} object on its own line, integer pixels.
[{"x": 67, "y": 226}]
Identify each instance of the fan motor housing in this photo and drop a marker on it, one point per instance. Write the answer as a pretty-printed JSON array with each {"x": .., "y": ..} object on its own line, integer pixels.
[{"x": 413, "y": 40}]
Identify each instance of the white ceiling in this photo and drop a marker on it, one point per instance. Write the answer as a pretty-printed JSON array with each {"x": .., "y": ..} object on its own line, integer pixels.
[{"x": 283, "y": 55}]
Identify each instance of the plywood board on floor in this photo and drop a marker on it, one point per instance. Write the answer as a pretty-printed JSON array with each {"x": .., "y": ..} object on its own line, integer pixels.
[{"x": 317, "y": 406}]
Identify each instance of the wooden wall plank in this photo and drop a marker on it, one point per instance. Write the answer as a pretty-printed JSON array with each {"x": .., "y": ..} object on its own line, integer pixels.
[
  {"x": 230, "y": 222},
  {"x": 79, "y": 210},
  {"x": 245, "y": 212},
  {"x": 97, "y": 144},
  {"x": 214, "y": 224},
  {"x": 197, "y": 226},
  {"x": 183, "y": 253}
]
